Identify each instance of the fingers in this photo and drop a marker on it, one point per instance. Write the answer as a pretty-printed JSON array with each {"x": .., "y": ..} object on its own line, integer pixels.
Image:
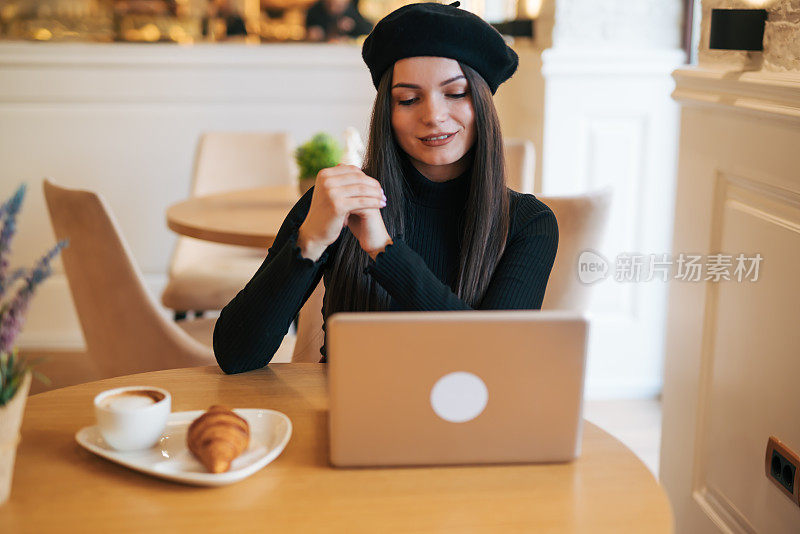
[
  {"x": 360, "y": 213},
  {"x": 341, "y": 170},
  {"x": 346, "y": 189},
  {"x": 343, "y": 175},
  {"x": 351, "y": 204},
  {"x": 358, "y": 190},
  {"x": 346, "y": 180}
]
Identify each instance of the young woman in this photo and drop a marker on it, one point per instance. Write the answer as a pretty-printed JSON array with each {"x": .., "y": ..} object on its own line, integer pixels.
[{"x": 428, "y": 223}]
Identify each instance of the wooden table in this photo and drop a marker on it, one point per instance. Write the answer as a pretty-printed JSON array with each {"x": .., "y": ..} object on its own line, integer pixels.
[
  {"x": 59, "y": 486},
  {"x": 249, "y": 217}
]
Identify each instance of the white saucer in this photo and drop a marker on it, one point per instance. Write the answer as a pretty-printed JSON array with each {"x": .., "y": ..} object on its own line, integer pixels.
[{"x": 170, "y": 458}]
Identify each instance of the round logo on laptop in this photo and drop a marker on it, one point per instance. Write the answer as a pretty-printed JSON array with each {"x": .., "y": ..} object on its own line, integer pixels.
[{"x": 459, "y": 397}]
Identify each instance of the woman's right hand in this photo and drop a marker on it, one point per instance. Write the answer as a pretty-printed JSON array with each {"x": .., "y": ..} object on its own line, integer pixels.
[{"x": 337, "y": 191}]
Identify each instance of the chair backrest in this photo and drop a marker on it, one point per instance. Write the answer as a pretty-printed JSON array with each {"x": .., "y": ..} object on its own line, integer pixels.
[
  {"x": 124, "y": 331},
  {"x": 520, "y": 156},
  {"x": 241, "y": 160},
  {"x": 581, "y": 225}
]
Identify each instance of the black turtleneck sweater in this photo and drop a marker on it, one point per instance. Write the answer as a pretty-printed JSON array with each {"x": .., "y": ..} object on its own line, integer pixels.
[{"x": 418, "y": 270}]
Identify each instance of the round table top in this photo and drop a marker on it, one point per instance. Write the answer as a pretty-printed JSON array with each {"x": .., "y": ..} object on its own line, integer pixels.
[
  {"x": 247, "y": 217},
  {"x": 58, "y": 484}
]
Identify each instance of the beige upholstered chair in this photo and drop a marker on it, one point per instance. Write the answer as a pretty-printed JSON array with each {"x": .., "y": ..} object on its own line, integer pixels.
[
  {"x": 581, "y": 224},
  {"x": 206, "y": 276},
  {"x": 124, "y": 331},
  {"x": 520, "y": 155}
]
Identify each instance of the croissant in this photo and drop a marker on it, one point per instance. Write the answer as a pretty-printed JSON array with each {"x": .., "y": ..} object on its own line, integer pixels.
[{"x": 217, "y": 437}]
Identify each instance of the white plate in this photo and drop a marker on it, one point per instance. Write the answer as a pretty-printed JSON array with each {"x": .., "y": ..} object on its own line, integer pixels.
[{"x": 171, "y": 459}]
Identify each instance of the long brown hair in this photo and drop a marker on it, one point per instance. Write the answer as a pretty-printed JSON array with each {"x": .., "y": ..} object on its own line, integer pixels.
[{"x": 485, "y": 220}]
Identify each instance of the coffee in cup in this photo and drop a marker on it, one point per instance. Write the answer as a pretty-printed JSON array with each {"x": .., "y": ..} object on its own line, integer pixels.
[
  {"x": 132, "y": 418},
  {"x": 132, "y": 399}
]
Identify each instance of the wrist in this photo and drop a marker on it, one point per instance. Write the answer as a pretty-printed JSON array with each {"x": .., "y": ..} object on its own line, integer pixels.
[
  {"x": 374, "y": 253},
  {"x": 308, "y": 248}
]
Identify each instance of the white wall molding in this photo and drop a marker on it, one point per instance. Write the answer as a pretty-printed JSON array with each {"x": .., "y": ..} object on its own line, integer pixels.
[
  {"x": 168, "y": 74},
  {"x": 295, "y": 56},
  {"x": 768, "y": 94}
]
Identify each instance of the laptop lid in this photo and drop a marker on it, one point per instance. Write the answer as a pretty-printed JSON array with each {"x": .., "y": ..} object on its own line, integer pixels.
[{"x": 455, "y": 387}]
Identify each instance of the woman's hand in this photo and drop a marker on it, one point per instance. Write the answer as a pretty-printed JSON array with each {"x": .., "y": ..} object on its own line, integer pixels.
[
  {"x": 338, "y": 191},
  {"x": 368, "y": 227}
]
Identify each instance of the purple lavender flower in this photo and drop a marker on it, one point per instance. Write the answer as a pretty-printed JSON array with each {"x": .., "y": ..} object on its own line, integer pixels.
[
  {"x": 17, "y": 274},
  {"x": 12, "y": 313},
  {"x": 12, "y": 318},
  {"x": 8, "y": 215},
  {"x": 4, "y": 207}
]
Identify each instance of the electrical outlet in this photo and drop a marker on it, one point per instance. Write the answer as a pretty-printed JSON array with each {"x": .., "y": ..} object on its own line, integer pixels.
[{"x": 783, "y": 468}]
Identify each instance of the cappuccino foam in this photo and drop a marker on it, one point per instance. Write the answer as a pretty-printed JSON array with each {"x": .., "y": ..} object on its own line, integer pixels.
[{"x": 131, "y": 400}]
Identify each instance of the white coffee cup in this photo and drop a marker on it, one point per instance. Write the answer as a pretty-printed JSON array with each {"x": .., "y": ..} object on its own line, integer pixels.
[{"x": 133, "y": 417}]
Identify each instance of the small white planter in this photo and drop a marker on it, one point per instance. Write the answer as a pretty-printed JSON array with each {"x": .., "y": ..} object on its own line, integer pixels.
[{"x": 10, "y": 422}]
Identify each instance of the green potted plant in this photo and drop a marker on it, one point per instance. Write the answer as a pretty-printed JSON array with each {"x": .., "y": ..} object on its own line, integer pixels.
[
  {"x": 16, "y": 289},
  {"x": 320, "y": 152}
]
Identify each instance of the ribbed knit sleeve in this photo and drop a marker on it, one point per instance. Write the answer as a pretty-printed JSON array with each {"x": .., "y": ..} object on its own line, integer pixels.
[
  {"x": 519, "y": 281},
  {"x": 252, "y": 326},
  {"x": 408, "y": 280}
]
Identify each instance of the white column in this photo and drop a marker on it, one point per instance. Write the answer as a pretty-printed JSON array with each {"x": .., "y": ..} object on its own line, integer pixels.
[{"x": 609, "y": 121}]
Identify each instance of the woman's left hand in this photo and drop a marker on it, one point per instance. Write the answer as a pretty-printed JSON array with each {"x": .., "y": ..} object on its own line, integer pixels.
[{"x": 368, "y": 227}]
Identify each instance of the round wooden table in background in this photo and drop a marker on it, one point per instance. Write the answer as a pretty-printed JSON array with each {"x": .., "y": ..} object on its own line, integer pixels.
[
  {"x": 249, "y": 217},
  {"x": 59, "y": 486}
]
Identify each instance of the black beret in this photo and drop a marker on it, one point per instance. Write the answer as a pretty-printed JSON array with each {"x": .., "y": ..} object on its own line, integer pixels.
[{"x": 433, "y": 29}]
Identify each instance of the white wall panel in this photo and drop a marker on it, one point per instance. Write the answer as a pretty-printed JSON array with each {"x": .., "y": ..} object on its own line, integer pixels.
[{"x": 731, "y": 365}]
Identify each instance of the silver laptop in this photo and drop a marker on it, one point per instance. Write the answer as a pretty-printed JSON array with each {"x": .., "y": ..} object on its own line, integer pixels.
[{"x": 455, "y": 387}]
